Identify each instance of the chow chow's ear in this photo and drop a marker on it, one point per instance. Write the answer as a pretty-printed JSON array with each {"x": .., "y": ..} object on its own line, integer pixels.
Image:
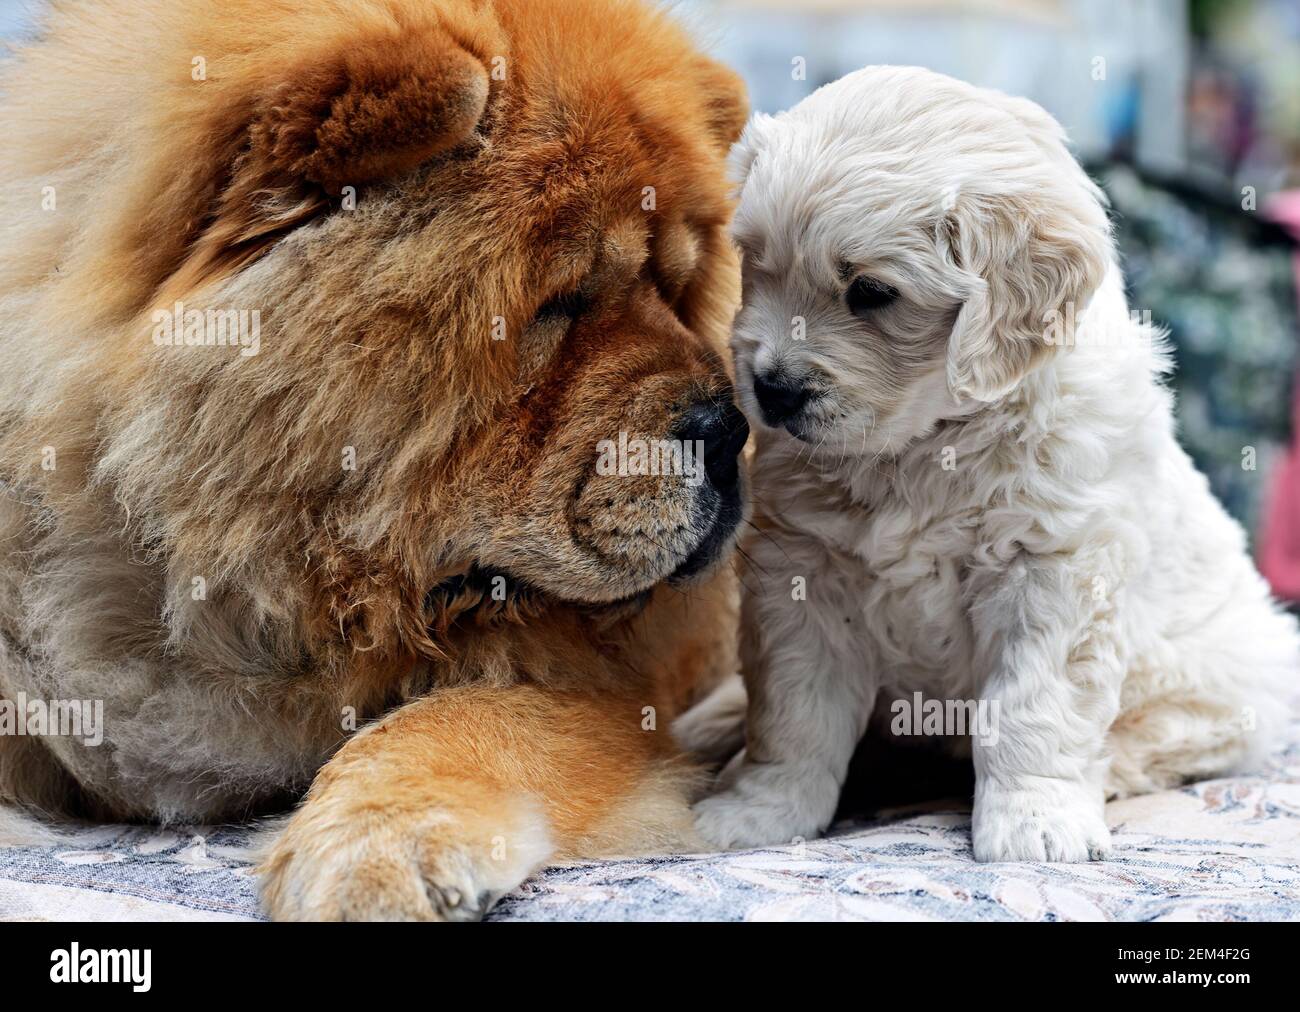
[
  {"x": 1021, "y": 259},
  {"x": 369, "y": 111},
  {"x": 726, "y": 103},
  {"x": 288, "y": 135}
]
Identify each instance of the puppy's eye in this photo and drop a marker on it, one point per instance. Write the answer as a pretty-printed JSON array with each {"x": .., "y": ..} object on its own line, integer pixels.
[
  {"x": 867, "y": 294},
  {"x": 567, "y": 306}
]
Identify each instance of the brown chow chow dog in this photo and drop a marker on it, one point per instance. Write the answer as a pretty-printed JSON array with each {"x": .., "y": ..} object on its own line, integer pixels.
[{"x": 469, "y": 240}]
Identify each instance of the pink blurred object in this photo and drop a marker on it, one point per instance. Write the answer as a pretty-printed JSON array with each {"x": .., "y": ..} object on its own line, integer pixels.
[{"x": 1279, "y": 538}]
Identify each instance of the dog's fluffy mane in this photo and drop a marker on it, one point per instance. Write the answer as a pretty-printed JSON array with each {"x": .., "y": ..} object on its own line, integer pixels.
[
  {"x": 207, "y": 161},
  {"x": 254, "y": 152}
]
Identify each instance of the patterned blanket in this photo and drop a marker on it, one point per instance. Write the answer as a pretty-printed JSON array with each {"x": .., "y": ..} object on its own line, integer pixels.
[{"x": 1219, "y": 850}]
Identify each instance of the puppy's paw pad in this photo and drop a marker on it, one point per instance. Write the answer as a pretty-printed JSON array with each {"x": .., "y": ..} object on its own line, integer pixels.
[
  {"x": 767, "y": 805},
  {"x": 729, "y": 822},
  {"x": 1039, "y": 827}
]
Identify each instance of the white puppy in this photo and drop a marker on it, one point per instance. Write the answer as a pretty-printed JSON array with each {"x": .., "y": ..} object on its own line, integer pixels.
[{"x": 968, "y": 484}]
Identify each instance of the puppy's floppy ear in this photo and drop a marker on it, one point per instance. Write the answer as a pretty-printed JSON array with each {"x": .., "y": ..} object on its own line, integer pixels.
[{"x": 1021, "y": 256}]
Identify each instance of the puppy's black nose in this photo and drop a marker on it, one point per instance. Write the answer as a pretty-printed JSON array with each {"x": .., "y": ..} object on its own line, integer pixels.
[
  {"x": 779, "y": 399},
  {"x": 723, "y": 431}
]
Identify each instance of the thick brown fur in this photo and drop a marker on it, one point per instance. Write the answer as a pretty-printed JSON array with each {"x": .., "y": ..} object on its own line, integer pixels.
[{"x": 398, "y": 186}]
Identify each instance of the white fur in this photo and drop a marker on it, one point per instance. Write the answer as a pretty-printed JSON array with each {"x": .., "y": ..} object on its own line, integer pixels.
[
  {"x": 18, "y": 829},
  {"x": 1072, "y": 565},
  {"x": 714, "y": 729}
]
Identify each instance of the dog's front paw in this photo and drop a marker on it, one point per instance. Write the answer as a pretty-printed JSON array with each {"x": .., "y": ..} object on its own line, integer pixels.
[
  {"x": 765, "y": 804},
  {"x": 419, "y": 866},
  {"x": 1053, "y": 821}
]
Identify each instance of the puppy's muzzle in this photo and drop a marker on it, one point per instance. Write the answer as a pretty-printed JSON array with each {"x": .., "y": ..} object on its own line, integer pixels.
[{"x": 780, "y": 399}]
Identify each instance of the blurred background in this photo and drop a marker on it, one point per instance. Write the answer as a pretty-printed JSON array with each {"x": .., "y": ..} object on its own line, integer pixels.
[{"x": 1187, "y": 112}]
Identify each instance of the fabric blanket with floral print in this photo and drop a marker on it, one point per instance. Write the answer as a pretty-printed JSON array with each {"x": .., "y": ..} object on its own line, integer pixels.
[{"x": 1220, "y": 850}]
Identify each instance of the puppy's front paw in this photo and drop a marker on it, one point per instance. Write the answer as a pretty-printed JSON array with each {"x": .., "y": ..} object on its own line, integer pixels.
[
  {"x": 421, "y": 866},
  {"x": 766, "y": 804},
  {"x": 1054, "y": 821}
]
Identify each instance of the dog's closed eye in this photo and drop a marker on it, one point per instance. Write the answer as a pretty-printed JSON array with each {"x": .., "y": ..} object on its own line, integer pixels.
[
  {"x": 866, "y": 295},
  {"x": 566, "y": 306}
]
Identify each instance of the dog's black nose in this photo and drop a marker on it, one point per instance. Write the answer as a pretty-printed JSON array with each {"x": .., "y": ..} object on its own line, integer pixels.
[
  {"x": 723, "y": 430},
  {"x": 779, "y": 399}
]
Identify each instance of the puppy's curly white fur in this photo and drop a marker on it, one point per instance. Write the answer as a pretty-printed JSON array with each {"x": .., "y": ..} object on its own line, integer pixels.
[{"x": 969, "y": 461}]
